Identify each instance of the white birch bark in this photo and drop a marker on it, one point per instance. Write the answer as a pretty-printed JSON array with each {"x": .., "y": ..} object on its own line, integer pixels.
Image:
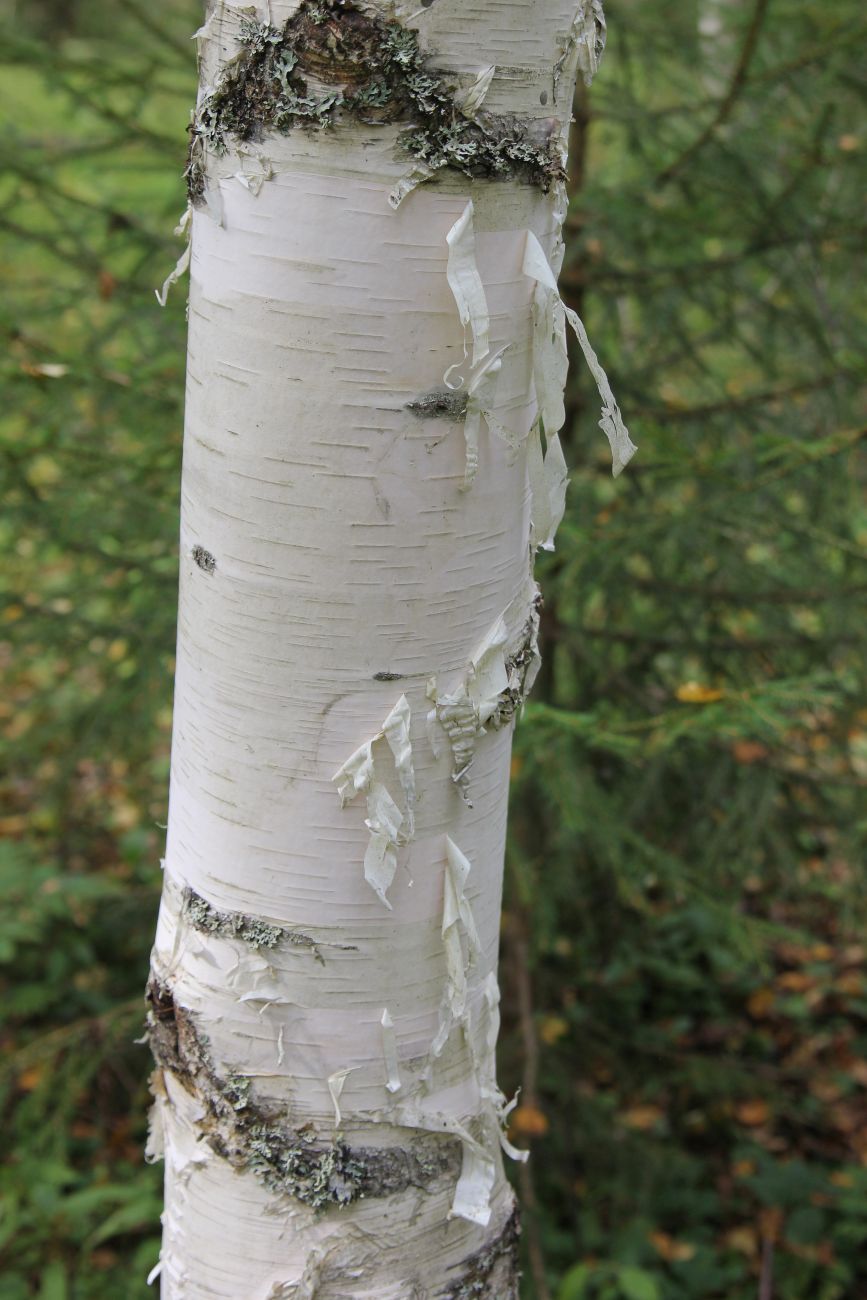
[
  {"x": 717, "y": 43},
  {"x": 326, "y": 1098}
]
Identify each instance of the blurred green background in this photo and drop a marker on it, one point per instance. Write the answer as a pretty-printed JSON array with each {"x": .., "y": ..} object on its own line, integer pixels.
[{"x": 684, "y": 959}]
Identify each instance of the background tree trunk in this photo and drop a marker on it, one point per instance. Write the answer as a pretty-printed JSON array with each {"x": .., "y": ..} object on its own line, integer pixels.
[{"x": 356, "y": 631}]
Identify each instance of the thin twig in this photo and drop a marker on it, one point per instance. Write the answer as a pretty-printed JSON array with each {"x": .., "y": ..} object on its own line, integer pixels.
[
  {"x": 736, "y": 87},
  {"x": 766, "y": 1281},
  {"x": 55, "y": 1040},
  {"x": 529, "y": 1086}
]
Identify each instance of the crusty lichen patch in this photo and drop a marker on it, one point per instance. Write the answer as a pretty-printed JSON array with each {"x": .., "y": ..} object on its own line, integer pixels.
[
  {"x": 332, "y": 61},
  {"x": 204, "y": 559},
  {"x": 251, "y": 930},
  {"x": 252, "y": 1136},
  {"x": 499, "y": 1259},
  {"x": 441, "y": 404}
]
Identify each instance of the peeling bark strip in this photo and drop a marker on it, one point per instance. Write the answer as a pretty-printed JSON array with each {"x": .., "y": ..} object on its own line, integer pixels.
[
  {"x": 333, "y": 61},
  {"x": 390, "y": 826},
  {"x": 521, "y": 664},
  {"x": 497, "y": 680},
  {"x": 356, "y": 643}
]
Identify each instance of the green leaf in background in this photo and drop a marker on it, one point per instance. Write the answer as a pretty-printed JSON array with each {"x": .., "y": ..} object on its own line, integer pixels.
[
  {"x": 54, "y": 1286},
  {"x": 635, "y": 1284},
  {"x": 574, "y": 1285}
]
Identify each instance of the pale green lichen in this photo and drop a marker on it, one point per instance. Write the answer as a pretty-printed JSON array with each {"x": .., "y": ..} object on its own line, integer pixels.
[
  {"x": 251, "y": 1135},
  {"x": 236, "y": 1091},
  {"x": 331, "y": 60},
  {"x": 251, "y": 930},
  {"x": 294, "y": 1165},
  {"x": 235, "y": 1126}
]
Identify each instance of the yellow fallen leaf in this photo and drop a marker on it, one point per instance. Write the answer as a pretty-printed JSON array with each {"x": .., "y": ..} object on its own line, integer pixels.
[
  {"x": 43, "y": 471},
  {"x": 695, "y": 693},
  {"x": 125, "y": 815},
  {"x": 669, "y": 1249},
  {"x": 857, "y": 1070},
  {"x": 753, "y": 1112},
  {"x": 528, "y": 1121},
  {"x": 761, "y": 1003},
  {"x": 642, "y": 1117},
  {"x": 824, "y": 1089},
  {"x": 552, "y": 1029},
  {"x": 795, "y": 981},
  {"x": 743, "y": 1239}
]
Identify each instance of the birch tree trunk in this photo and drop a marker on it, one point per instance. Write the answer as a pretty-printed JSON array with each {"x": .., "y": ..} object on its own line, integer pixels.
[{"x": 376, "y": 204}]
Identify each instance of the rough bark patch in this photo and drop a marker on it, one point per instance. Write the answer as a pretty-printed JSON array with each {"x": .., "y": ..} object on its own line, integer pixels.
[
  {"x": 491, "y": 1272},
  {"x": 332, "y": 61},
  {"x": 251, "y": 930},
  {"x": 518, "y": 668},
  {"x": 441, "y": 404},
  {"x": 253, "y": 1136},
  {"x": 204, "y": 559}
]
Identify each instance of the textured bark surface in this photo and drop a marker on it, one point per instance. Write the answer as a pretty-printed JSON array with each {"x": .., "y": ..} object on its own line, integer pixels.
[{"x": 325, "y": 1096}]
